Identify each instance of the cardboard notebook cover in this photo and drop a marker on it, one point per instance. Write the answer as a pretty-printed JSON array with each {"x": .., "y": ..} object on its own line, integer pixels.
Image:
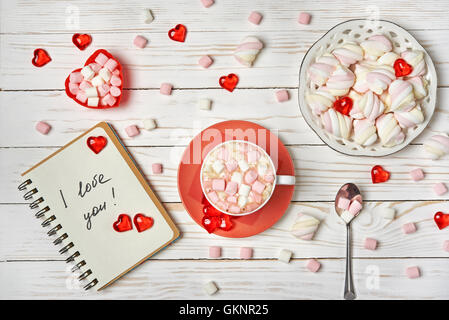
[{"x": 81, "y": 194}]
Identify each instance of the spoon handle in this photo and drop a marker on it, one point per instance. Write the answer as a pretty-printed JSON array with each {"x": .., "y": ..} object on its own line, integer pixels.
[{"x": 349, "y": 285}]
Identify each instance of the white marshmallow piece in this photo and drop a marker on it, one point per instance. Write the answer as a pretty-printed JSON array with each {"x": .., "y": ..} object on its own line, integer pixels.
[
  {"x": 244, "y": 190},
  {"x": 262, "y": 169},
  {"x": 105, "y": 74},
  {"x": 204, "y": 104},
  {"x": 285, "y": 256},
  {"x": 237, "y": 177},
  {"x": 93, "y": 102},
  {"x": 218, "y": 166},
  {"x": 388, "y": 213},
  {"x": 210, "y": 288},
  {"x": 97, "y": 81},
  {"x": 148, "y": 16},
  {"x": 87, "y": 73},
  {"x": 242, "y": 201},
  {"x": 347, "y": 216},
  {"x": 149, "y": 124},
  {"x": 243, "y": 165},
  {"x": 91, "y": 92}
]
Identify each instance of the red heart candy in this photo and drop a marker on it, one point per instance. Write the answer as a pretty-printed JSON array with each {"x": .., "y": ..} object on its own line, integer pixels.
[
  {"x": 178, "y": 33},
  {"x": 142, "y": 222},
  {"x": 225, "y": 222},
  {"x": 123, "y": 223},
  {"x": 96, "y": 144},
  {"x": 441, "y": 219},
  {"x": 378, "y": 174},
  {"x": 82, "y": 41},
  {"x": 229, "y": 82},
  {"x": 40, "y": 58},
  {"x": 211, "y": 223},
  {"x": 343, "y": 105},
  {"x": 90, "y": 60},
  {"x": 402, "y": 68}
]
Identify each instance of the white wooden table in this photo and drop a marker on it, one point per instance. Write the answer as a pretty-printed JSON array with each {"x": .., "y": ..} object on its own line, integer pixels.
[{"x": 29, "y": 264}]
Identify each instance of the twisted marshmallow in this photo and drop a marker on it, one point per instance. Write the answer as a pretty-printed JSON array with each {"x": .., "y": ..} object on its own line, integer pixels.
[
  {"x": 365, "y": 132},
  {"x": 410, "y": 119},
  {"x": 416, "y": 60},
  {"x": 320, "y": 100},
  {"x": 419, "y": 87},
  {"x": 369, "y": 106},
  {"x": 337, "y": 123},
  {"x": 248, "y": 50},
  {"x": 376, "y": 46},
  {"x": 360, "y": 71},
  {"x": 323, "y": 67},
  {"x": 340, "y": 81},
  {"x": 389, "y": 131},
  {"x": 437, "y": 146},
  {"x": 388, "y": 58},
  {"x": 402, "y": 97},
  {"x": 349, "y": 53},
  {"x": 305, "y": 226},
  {"x": 380, "y": 78}
]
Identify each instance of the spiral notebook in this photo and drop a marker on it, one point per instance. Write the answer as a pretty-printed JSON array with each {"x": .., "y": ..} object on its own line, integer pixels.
[{"x": 81, "y": 190}]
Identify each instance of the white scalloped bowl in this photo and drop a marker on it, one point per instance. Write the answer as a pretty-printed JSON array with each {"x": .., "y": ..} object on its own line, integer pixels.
[{"x": 359, "y": 30}]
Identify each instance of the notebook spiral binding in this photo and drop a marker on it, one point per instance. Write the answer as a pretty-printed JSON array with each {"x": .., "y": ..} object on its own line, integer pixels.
[{"x": 49, "y": 218}]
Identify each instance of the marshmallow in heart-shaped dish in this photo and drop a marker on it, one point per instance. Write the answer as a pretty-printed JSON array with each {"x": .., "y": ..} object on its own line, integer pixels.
[{"x": 98, "y": 84}]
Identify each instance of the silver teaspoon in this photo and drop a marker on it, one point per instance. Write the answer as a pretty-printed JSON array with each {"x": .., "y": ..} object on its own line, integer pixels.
[{"x": 350, "y": 192}]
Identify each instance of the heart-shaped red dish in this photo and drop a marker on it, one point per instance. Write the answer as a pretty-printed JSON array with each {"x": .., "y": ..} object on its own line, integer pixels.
[{"x": 110, "y": 94}]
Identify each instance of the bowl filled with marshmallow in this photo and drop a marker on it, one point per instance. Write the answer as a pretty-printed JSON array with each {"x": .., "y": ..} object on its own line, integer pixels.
[{"x": 367, "y": 88}]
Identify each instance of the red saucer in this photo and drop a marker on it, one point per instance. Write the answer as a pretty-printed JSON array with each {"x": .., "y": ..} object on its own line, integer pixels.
[{"x": 189, "y": 185}]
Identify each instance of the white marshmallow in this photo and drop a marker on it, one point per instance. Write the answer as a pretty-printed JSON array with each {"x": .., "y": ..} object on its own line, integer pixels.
[
  {"x": 91, "y": 92},
  {"x": 243, "y": 165},
  {"x": 204, "y": 104},
  {"x": 262, "y": 169},
  {"x": 148, "y": 16},
  {"x": 347, "y": 216},
  {"x": 97, "y": 81},
  {"x": 105, "y": 74},
  {"x": 237, "y": 177},
  {"x": 285, "y": 256},
  {"x": 242, "y": 201},
  {"x": 93, "y": 102},
  {"x": 87, "y": 73},
  {"x": 388, "y": 213},
  {"x": 218, "y": 166},
  {"x": 210, "y": 288},
  {"x": 149, "y": 124},
  {"x": 244, "y": 190}
]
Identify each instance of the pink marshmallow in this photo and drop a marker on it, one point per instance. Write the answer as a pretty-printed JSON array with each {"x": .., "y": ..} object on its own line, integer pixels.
[
  {"x": 446, "y": 245},
  {"x": 246, "y": 253},
  {"x": 132, "y": 131},
  {"x": 207, "y": 3},
  {"x": 205, "y": 61},
  {"x": 232, "y": 199},
  {"x": 156, "y": 168},
  {"x": 231, "y": 188},
  {"x": 101, "y": 59},
  {"x": 84, "y": 85},
  {"x": 213, "y": 196},
  {"x": 81, "y": 96},
  {"x": 109, "y": 99},
  {"x": 253, "y": 156},
  {"x": 111, "y": 64},
  {"x": 255, "y": 17},
  {"x": 417, "y": 174},
  {"x": 76, "y": 77},
  {"x": 95, "y": 67},
  {"x": 116, "y": 81},
  {"x": 166, "y": 89},
  {"x": 103, "y": 89},
  {"x": 355, "y": 208},
  {"x": 223, "y": 205},
  {"x": 269, "y": 178},
  {"x": 140, "y": 42},
  {"x": 43, "y": 127},
  {"x": 250, "y": 176},
  {"x": 412, "y": 272},
  {"x": 223, "y": 154},
  {"x": 115, "y": 91},
  {"x": 370, "y": 244},
  {"x": 304, "y": 18},
  {"x": 256, "y": 197},
  {"x": 218, "y": 185},
  {"x": 258, "y": 187},
  {"x": 409, "y": 228},
  {"x": 282, "y": 95},
  {"x": 116, "y": 72},
  {"x": 234, "y": 209},
  {"x": 313, "y": 265},
  {"x": 251, "y": 207},
  {"x": 214, "y": 252},
  {"x": 231, "y": 165},
  {"x": 73, "y": 88},
  {"x": 343, "y": 203},
  {"x": 440, "y": 188}
]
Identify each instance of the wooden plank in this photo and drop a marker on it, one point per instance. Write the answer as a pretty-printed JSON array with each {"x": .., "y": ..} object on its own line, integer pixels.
[
  {"x": 118, "y": 16},
  {"x": 69, "y": 119},
  {"x": 320, "y": 171},
  {"x": 27, "y": 240},
  {"x": 237, "y": 280},
  {"x": 166, "y": 61}
]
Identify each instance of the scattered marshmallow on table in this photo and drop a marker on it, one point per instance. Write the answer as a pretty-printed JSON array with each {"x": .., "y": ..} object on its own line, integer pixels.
[
  {"x": 255, "y": 17},
  {"x": 132, "y": 131},
  {"x": 440, "y": 189},
  {"x": 246, "y": 253},
  {"x": 43, "y": 127},
  {"x": 313, "y": 265},
  {"x": 417, "y": 174},
  {"x": 413, "y": 272},
  {"x": 437, "y": 146},
  {"x": 409, "y": 228},
  {"x": 210, "y": 288},
  {"x": 156, "y": 168},
  {"x": 214, "y": 252},
  {"x": 247, "y": 51},
  {"x": 205, "y": 61},
  {"x": 140, "y": 42},
  {"x": 388, "y": 213},
  {"x": 148, "y": 16},
  {"x": 149, "y": 124},
  {"x": 285, "y": 255},
  {"x": 370, "y": 244},
  {"x": 282, "y": 95},
  {"x": 446, "y": 245},
  {"x": 207, "y": 3},
  {"x": 204, "y": 104},
  {"x": 305, "y": 226},
  {"x": 166, "y": 89},
  {"x": 304, "y": 18}
]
